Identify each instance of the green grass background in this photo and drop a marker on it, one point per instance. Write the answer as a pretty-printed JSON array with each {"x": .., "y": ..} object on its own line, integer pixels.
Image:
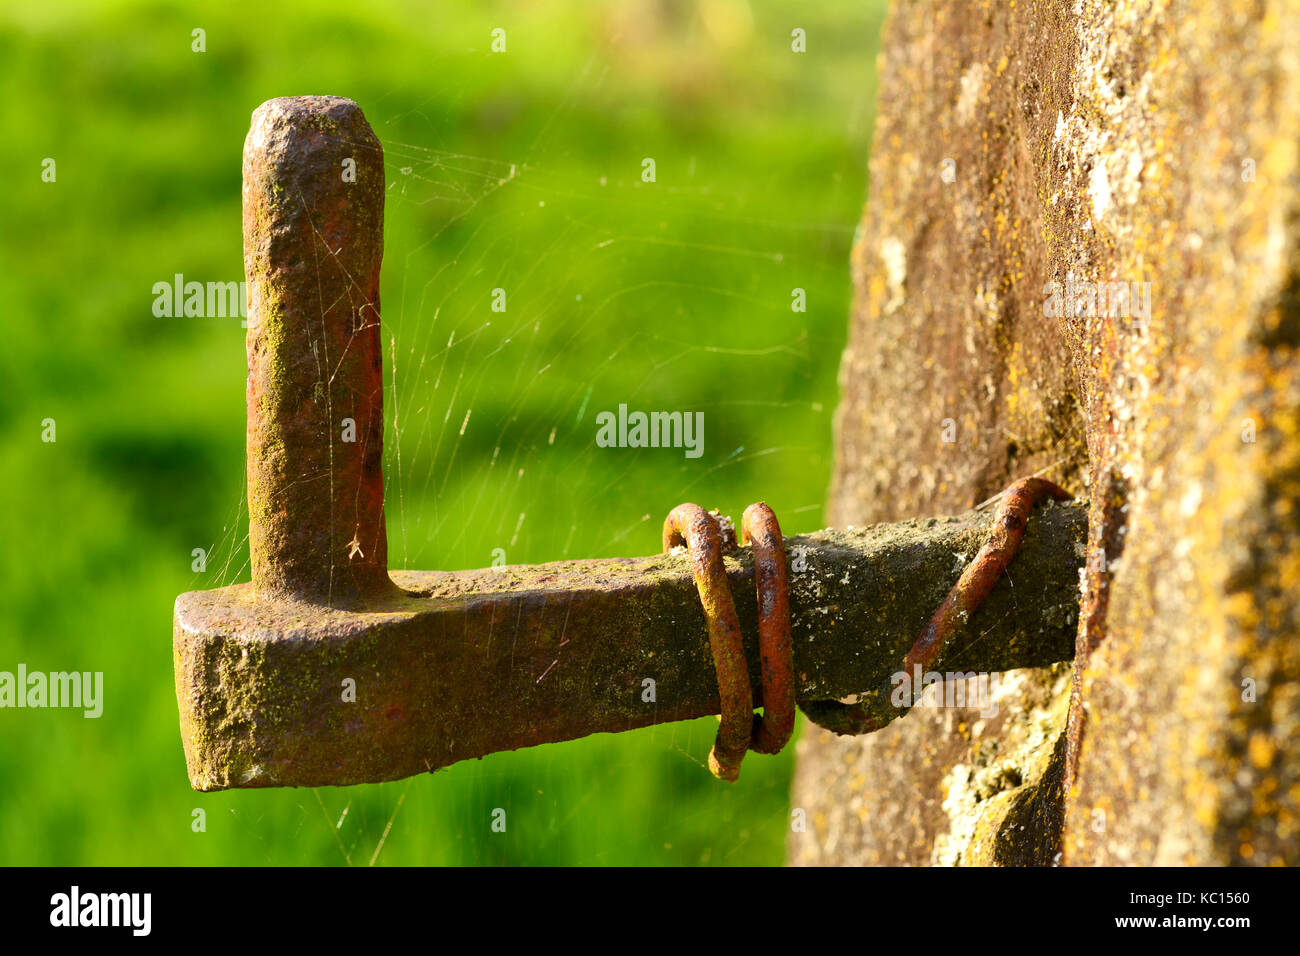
[{"x": 519, "y": 170}]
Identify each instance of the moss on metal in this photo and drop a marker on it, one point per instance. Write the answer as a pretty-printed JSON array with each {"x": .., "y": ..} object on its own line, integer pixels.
[{"x": 456, "y": 665}]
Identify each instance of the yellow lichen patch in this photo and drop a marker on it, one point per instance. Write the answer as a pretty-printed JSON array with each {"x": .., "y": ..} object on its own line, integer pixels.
[{"x": 1145, "y": 143}]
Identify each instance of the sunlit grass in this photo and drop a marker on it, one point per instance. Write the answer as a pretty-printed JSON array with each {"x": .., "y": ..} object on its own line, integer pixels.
[{"x": 667, "y": 295}]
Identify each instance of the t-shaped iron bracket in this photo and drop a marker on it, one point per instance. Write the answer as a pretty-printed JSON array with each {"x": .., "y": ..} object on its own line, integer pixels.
[{"x": 327, "y": 669}]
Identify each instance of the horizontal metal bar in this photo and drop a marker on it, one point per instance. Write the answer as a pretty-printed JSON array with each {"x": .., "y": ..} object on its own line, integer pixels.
[{"x": 467, "y": 663}]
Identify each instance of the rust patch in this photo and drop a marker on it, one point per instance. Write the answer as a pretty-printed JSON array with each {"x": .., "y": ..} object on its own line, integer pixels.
[
  {"x": 691, "y": 525},
  {"x": 313, "y": 243},
  {"x": 759, "y": 527}
]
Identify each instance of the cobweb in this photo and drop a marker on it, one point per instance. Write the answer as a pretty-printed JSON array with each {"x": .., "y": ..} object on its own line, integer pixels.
[{"x": 524, "y": 292}]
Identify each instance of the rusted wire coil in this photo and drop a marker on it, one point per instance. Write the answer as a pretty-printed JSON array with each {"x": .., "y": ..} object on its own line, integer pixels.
[
  {"x": 708, "y": 537},
  {"x": 691, "y": 525},
  {"x": 966, "y": 595},
  {"x": 759, "y": 528}
]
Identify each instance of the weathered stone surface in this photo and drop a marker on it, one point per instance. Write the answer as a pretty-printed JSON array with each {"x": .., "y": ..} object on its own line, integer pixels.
[
  {"x": 1144, "y": 142},
  {"x": 991, "y": 767}
]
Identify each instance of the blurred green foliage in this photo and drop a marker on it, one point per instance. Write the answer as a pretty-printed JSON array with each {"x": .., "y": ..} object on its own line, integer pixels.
[{"x": 519, "y": 171}]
